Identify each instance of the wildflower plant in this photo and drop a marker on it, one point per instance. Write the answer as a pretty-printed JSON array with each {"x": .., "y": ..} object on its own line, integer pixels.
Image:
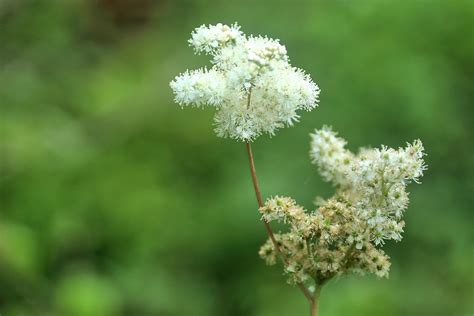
[{"x": 256, "y": 91}]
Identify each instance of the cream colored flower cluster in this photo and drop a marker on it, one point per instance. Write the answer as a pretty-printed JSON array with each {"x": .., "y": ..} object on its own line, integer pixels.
[
  {"x": 374, "y": 180},
  {"x": 320, "y": 245},
  {"x": 251, "y": 83},
  {"x": 345, "y": 233}
]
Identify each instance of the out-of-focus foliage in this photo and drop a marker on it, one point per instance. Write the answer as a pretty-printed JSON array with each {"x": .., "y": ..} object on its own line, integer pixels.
[{"x": 116, "y": 202}]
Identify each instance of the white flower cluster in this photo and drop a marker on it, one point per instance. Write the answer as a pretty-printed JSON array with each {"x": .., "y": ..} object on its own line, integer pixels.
[
  {"x": 345, "y": 233},
  {"x": 251, "y": 83},
  {"x": 374, "y": 180}
]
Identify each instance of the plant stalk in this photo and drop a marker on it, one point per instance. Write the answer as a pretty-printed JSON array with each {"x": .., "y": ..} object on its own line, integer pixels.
[
  {"x": 315, "y": 302},
  {"x": 269, "y": 230}
]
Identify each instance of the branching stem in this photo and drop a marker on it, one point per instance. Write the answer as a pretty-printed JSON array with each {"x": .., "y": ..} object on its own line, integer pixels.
[{"x": 267, "y": 226}]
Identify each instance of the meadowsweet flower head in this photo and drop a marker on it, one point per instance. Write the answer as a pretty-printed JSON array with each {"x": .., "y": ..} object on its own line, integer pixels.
[
  {"x": 346, "y": 232},
  {"x": 251, "y": 83}
]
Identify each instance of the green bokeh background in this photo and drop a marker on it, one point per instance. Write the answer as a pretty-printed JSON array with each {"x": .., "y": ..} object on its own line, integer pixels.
[{"x": 114, "y": 201}]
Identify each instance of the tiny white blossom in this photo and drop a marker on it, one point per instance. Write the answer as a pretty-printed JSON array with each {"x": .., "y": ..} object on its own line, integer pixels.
[{"x": 251, "y": 83}]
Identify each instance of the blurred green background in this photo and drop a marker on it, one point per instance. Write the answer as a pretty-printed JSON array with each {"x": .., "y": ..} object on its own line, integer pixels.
[{"x": 114, "y": 201}]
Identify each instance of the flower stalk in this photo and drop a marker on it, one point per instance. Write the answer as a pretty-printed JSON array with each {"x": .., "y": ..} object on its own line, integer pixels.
[
  {"x": 267, "y": 226},
  {"x": 315, "y": 301}
]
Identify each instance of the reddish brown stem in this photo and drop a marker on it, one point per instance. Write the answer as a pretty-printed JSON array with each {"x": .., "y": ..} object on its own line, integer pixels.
[
  {"x": 314, "y": 303},
  {"x": 269, "y": 230}
]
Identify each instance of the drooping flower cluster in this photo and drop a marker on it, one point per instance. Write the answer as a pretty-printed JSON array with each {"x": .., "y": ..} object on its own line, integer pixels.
[
  {"x": 251, "y": 83},
  {"x": 346, "y": 232}
]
